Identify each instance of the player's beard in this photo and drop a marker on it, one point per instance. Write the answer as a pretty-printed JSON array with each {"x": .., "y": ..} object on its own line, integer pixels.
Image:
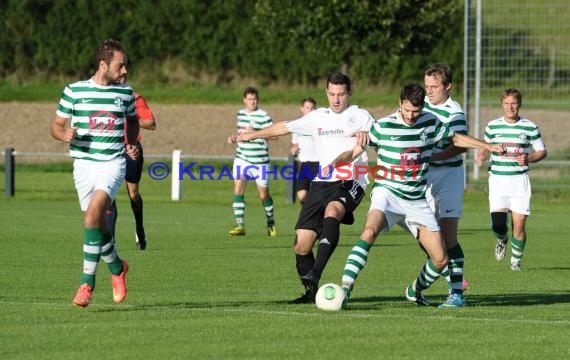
[{"x": 113, "y": 78}]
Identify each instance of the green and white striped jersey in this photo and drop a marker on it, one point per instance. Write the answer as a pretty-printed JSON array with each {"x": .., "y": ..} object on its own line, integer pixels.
[
  {"x": 404, "y": 152},
  {"x": 253, "y": 151},
  {"x": 451, "y": 114},
  {"x": 99, "y": 113},
  {"x": 518, "y": 138}
]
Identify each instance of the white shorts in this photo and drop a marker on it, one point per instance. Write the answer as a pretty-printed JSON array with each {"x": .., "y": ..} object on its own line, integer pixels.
[
  {"x": 98, "y": 175},
  {"x": 510, "y": 192},
  {"x": 409, "y": 214},
  {"x": 258, "y": 172},
  {"x": 444, "y": 193}
]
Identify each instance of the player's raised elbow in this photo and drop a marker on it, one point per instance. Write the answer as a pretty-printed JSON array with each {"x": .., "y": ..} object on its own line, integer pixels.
[{"x": 148, "y": 124}]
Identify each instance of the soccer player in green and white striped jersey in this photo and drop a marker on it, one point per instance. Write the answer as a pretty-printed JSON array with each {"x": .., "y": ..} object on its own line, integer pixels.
[
  {"x": 251, "y": 161},
  {"x": 446, "y": 177},
  {"x": 509, "y": 184},
  {"x": 405, "y": 141},
  {"x": 97, "y": 110}
]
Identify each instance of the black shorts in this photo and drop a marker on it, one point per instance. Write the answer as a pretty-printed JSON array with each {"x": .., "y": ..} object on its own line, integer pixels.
[
  {"x": 321, "y": 193},
  {"x": 134, "y": 167},
  {"x": 306, "y": 172}
]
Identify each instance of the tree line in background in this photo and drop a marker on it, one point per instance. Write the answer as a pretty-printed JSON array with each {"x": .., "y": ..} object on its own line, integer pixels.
[{"x": 220, "y": 41}]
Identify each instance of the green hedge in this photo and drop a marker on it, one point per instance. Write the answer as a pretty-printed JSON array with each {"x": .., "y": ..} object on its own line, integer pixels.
[{"x": 219, "y": 41}]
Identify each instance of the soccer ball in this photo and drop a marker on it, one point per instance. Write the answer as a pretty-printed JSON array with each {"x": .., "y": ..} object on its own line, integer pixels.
[{"x": 330, "y": 297}]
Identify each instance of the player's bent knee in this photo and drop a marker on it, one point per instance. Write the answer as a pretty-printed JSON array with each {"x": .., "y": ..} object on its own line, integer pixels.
[
  {"x": 499, "y": 222},
  {"x": 301, "y": 249},
  {"x": 302, "y": 246},
  {"x": 440, "y": 262},
  {"x": 369, "y": 234}
]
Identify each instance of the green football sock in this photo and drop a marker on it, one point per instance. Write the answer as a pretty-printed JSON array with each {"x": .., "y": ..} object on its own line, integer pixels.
[
  {"x": 428, "y": 275},
  {"x": 355, "y": 262},
  {"x": 268, "y": 207},
  {"x": 239, "y": 209},
  {"x": 91, "y": 255},
  {"x": 517, "y": 249},
  {"x": 109, "y": 255},
  {"x": 456, "y": 261}
]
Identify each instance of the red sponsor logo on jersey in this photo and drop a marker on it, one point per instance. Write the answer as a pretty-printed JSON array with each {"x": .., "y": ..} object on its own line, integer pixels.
[
  {"x": 512, "y": 151},
  {"x": 102, "y": 121}
]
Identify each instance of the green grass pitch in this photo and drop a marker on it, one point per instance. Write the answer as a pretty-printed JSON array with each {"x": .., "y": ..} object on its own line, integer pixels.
[{"x": 197, "y": 293}]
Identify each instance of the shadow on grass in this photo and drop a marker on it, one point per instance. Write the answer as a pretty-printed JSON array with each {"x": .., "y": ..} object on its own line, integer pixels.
[
  {"x": 182, "y": 305},
  {"x": 375, "y": 302},
  {"x": 362, "y": 303},
  {"x": 472, "y": 231}
]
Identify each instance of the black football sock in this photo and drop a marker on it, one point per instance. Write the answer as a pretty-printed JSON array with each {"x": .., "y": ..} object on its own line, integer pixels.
[
  {"x": 304, "y": 263},
  {"x": 137, "y": 207},
  {"x": 112, "y": 215},
  {"x": 327, "y": 244}
]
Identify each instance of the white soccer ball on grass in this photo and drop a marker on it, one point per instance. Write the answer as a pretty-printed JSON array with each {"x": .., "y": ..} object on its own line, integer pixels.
[{"x": 330, "y": 297}]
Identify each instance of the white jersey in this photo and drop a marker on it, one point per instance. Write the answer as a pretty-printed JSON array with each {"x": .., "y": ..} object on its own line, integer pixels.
[
  {"x": 451, "y": 114},
  {"x": 99, "y": 113},
  {"x": 332, "y": 135},
  {"x": 518, "y": 138},
  {"x": 307, "y": 150}
]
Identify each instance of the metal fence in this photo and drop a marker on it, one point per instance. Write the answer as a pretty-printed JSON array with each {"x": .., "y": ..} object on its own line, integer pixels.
[
  {"x": 554, "y": 174},
  {"x": 522, "y": 44}
]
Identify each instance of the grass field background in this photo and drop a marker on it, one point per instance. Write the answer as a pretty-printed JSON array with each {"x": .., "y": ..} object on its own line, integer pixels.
[{"x": 198, "y": 293}]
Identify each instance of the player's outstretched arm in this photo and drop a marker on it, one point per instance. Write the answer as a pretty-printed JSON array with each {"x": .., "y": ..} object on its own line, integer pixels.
[
  {"x": 349, "y": 155},
  {"x": 481, "y": 157},
  {"x": 449, "y": 152},
  {"x": 466, "y": 141},
  {"x": 273, "y": 131}
]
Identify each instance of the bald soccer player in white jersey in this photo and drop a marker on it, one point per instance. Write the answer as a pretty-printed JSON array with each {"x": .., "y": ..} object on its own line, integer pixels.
[
  {"x": 251, "y": 162},
  {"x": 98, "y": 109},
  {"x": 509, "y": 184},
  {"x": 332, "y": 199},
  {"x": 304, "y": 148},
  {"x": 405, "y": 141},
  {"x": 446, "y": 176}
]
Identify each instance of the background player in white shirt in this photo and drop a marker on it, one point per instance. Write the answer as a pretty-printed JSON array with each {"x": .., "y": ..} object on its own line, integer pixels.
[{"x": 304, "y": 148}]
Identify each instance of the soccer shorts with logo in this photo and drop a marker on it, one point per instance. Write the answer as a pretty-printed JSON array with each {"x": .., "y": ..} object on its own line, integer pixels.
[
  {"x": 408, "y": 213},
  {"x": 260, "y": 173},
  {"x": 90, "y": 176},
  {"x": 321, "y": 193},
  {"x": 510, "y": 192},
  {"x": 444, "y": 193}
]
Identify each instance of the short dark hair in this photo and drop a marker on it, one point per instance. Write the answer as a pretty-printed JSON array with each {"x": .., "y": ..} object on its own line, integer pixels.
[
  {"x": 251, "y": 90},
  {"x": 309, "y": 99},
  {"x": 414, "y": 93},
  {"x": 444, "y": 72},
  {"x": 105, "y": 52},
  {"x": 338, "y": 78},
  {"x": 512, "y": 92}
]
